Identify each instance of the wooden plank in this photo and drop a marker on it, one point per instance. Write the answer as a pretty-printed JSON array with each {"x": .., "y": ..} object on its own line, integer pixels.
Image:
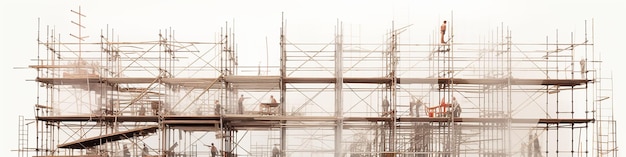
[{"x": 98, "y": 140}]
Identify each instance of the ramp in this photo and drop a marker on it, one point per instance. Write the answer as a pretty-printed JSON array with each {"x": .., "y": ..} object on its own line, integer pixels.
[{"x": 98, "y": 140}]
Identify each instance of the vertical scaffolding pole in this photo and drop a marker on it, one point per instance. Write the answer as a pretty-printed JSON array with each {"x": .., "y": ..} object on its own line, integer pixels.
[
  {"x": 392, "y": 87},
  {"x": 339, "y": 89},
  {"x": 283, "y": 88},
  {"x": 509, "y": 94}
]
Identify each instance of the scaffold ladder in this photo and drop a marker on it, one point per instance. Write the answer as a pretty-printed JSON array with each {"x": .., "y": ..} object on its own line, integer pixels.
[
  {"x": 606, "y": 124},
  {"x": 22, "y": 137}
]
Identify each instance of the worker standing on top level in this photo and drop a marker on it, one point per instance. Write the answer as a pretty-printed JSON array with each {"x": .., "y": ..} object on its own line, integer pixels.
[
  {"x": 443, "y": 31},
  {"x": 583, "y": 69}
]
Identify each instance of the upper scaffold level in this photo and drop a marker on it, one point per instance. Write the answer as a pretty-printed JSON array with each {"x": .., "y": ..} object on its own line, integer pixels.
[{"x": 261, "y": 82}]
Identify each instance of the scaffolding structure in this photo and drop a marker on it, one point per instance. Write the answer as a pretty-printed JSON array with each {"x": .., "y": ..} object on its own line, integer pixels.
[{"x": 169, "y": 97}]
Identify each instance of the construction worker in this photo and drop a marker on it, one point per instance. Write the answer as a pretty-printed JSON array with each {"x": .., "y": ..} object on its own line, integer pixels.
[
  {"x": 529, "y": 146},
  {"x": 144, "y": 151},
  {"x": 275, "y": 152},
  {"x": 455, "y": 107},
  {"x": 443, "y": 31},
  {"x": 536, "y": 146},
  {"x": 240, "y": 105},
  {"x": 126, "y": 151},
  {"x": 412, "y": 105},
  {"x": 583, "y": 68},
  {"x": 156, "y": 107},
  {"x": 213, "y": 150},
  {"x": 218, "y": 107},
  {"x": 418, "y": 106},
  {"x": 385, "y": 106},
  {"x": 142, "y": 110},
  {"x": 272, "y": 99},
  {"x": 415, "y": 107}
]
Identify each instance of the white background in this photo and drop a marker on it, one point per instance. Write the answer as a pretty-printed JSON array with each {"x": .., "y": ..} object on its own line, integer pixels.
[{"x": 530, "y": 20}]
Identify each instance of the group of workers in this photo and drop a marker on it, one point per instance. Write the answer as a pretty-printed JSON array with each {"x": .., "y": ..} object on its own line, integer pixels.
[
  {"x": 532, "y": 148},
  {"x": 217, "y": 106},
  {"x": 144, "y": 151},
  {"x": 213, "y": 149},
  {"x": 215, "y": 152},
  {"x": 452, "y": 109}
]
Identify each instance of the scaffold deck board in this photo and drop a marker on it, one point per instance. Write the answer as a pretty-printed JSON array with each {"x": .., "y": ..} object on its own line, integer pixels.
[
  {"x": 274, "y": 81},
  {"x": 214, "y": 119},
  {"x": 98, "y": 140},
  {"x": 495, "y": 120},
  {"x": 71, "y": 156}
]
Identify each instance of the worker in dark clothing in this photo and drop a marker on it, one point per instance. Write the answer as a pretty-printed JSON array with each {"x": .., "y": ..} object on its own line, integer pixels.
[
  {"x": 443, "y": 31},
  {"x": 213, "y": 149},
  {"x": 218, "y": 107}
]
